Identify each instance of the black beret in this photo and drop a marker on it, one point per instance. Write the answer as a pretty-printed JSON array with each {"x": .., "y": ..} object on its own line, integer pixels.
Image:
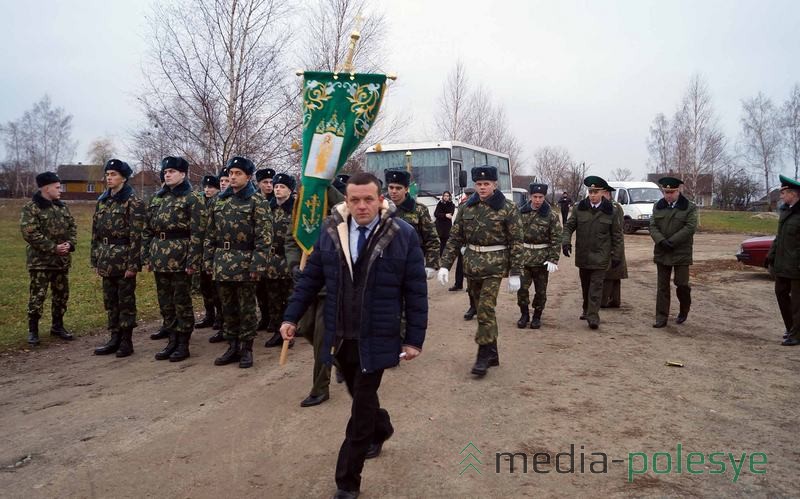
[
  {"x": 595, "y": 182},
  {"x": 210, "y": 181},
  {"x": 264, "y": 173},
  {"x": 120, "y": 167},
  {"x": 46, "y": 178},
  {"x": 669, "y": 183},
  {"x": 223, "y": 173},
  {"x": 484, "y": 173},
  {"x": 283, "y": 178},
  {"x": 537, "y": 188},
  {"x": 176, "y": 163},
  {"x": 241, "y": 163},
  {"x": 401, "y": 177}
]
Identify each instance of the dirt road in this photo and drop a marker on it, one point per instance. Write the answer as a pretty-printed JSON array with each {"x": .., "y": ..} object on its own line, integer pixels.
[{"x": 76, "y": 425}]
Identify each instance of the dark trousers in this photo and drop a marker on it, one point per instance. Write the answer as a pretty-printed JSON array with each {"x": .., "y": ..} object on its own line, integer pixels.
[
  {"x": 459, "y": 283},
  {"x": 592, "y": 288},
  {"x": 174, "y": 291},
  {"x": 368, "y": 422},
  {"x": 683, "y": 291},
  {"x": 787, "y": 291},
  {"x": 262, "y": 296},
  {"x": 208, "y": 288},
  {"x": 119, "y": 300},
  {"x": 312, "y": 327},
  {"x": 58, "y": 282},
  {"x": 564, "y": 216},
  {"x": 238, "y": 309},
  {"x": 612, "y": 293}
]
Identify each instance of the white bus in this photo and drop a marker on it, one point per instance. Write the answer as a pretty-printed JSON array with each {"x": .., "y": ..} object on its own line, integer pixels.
[{"x": 439, "y": 166}]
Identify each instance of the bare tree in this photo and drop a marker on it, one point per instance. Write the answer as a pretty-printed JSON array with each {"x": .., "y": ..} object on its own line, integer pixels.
[
  {"x": 659, "y": 143},
  {"x": 791, "y": 127},
  {"x": 572, "y": 179},
  {"x": 761, "y": 135},
  {"x": 621, "y": 174},
  {"x": 101, "y": 150},
  {"x": 552, "y": 166},
  {"x": 453, "y": 107},
  {"x": 734, "y": 187}
]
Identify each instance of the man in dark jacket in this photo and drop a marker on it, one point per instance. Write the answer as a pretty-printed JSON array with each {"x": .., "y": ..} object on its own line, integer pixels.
[
  {"x": 783, "y": 261},
  {"x": 565, "y": 203},
  {"x": 372, "y": 266}
]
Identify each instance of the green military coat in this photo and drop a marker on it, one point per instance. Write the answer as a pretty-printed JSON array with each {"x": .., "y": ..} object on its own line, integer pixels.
[
  {"x": 784, "y": 254},
  {"x": 621, "y": 271},
  {"x": 598, "y": 235},
  {"x": 277, "y": 262},
  {"x": 117, "y": 227},
  {"x": 44, "y": 225},
  {"x": 677, "y": 225}
]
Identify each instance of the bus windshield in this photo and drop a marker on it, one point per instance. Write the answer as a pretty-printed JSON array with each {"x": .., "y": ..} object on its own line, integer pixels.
[{"x": 431, "y": 167}]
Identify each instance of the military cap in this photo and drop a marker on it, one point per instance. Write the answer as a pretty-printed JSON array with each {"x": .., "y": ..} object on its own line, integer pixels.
[
  {"x": 46, "y": 178},
  {"x": 264, "y": 173},
  {"x": 285, "y": 179},
  {"x": 241, "y": 163},
  {"x": 340, "y": 183},
  {"x": 401, "y": 177},
  {"x": 484, "y": 173},
  {"x": 535, "y": 188},
  {"x": 669, "y": 184},
  {"x": 593, "y": 182},
  {"x": 118, "y": 166},
  {"x": 210, "y": 181},
  {"x": 176, "y": 163},
  {"x": 224, "y": 173},
  {"x": 343, "y": 178},
  {"x": 789, "y": 183}
]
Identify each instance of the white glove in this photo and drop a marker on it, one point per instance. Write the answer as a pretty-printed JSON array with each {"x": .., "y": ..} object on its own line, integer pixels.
[
  {"x": 463, "y": 249},
  {"x": 513, "y": 284},
  {"x": 444, "y": 275},
  {"x": 430, "y": 273},
  {"x": 551, "y": 267}
]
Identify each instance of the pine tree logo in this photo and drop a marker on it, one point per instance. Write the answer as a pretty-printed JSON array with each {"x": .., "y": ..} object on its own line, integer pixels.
[{"x": 470, "y": 459}]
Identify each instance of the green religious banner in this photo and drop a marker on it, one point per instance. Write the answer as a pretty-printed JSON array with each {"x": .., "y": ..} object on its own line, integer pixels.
[{"x": 338, "y": 111}]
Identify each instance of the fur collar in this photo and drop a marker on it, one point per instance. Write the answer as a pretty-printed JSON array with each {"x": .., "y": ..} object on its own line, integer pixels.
[
  {"x": 682, "y": 203},
  {"x": 179, "y": 190},
  {"x": 120, "y": 197},
  {"x": 605, "y": 206},
  {"x": 338, "y": 224},
  {"x": 244, "y": 193},
  {"x": 544, "y": 210},
  {"x": 408, "y": 204},
  {"x": 287, "y": 205},
  {"x": 43, "y": 203},
  {"x": 495, "y": 201}
]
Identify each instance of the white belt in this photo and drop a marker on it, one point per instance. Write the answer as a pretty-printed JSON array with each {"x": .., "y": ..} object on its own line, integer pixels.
[
  {"x": 486, "y": 249},
  {"x": 535, "y": 246}
]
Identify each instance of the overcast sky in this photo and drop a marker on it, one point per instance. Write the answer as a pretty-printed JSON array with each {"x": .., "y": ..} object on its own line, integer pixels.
[{"x": 588, "y": 76}]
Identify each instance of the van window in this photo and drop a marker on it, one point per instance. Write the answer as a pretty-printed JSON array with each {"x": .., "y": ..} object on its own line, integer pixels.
[{"x": 622, "y": 196}]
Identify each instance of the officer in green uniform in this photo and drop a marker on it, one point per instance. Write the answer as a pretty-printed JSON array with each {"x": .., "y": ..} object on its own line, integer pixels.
[
  {"x": 417, "y": 215},
  {"x": 672, "y": 228},
  {"x": 783, "y": 260},
  {"x": 541, "y": 238},
  {"x": 598, "y": 243},
  {"x": 236, "y": 249},
  {"x": 49, "y": 229},
  {"x": 489, "y": 226},
  {"x": 213, "y": 317},
  {"x": 172, "y": 248},
  {"x": 264, "y": 179},
  {"x": 116, "y": 255},
  {"x": 279, "y": 275},
  {"x": 612, "y": 283}
]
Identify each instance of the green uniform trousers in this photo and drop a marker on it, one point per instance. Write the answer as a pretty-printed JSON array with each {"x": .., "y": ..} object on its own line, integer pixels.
[
  {"x": 119, "y": 300},
  {"x": 58, "y": 282},
  {"x": 537, "y": 275},
  {"x": 483, "y": 291},
  {"x": 683, "y": 290},
  {"x": 174, "y": 291},
  {"x": 592, "y": 289},
  {"x": 787, "y": 291},
  {"x": 312, "y": 327},
  {"x": 238, "y": 300}
]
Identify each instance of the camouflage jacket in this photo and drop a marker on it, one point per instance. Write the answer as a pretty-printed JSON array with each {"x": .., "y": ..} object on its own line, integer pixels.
[
  {"x": 621, "y": 272},
  {"x": 598, "y": 235},
  {"x": 46, "y": 224},
  {"x": 117, "y": 233},
  {"x": 486, "y": 223},
  {"x": 540, "y": 227},
  {"x": 277, "y": 264},
  {"x": 239, "y": 235},
  {"x": 417, "y": 215},
  {"x": 172, "y": 240}
]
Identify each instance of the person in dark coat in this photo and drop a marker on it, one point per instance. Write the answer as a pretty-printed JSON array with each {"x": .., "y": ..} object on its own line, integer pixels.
[
  {"x": 783, "y": 261},
  {"x": 444, "y": 213},
  {"x": 371, "y": 264},
  {"x": 565, "y": 203}
]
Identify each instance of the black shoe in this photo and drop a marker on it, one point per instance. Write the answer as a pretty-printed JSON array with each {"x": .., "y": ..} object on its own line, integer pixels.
[
  {"x": 785, "y": 334},
  {"x": 374, "y": 449},
  {"x": 275, "y": 340},
  {"x": 160, "y": 334},
  {"x": 583, "y": 316},
  {"x": 524, "y": 317},
  {"x": 594, "y": 324},
  {"x": 230, "y": 355},
  {"x": 182, "y": 352},
  {"x": 346, "y": 494},
  {"x": 790, "y": 342},
  {"x": 660, "y": 324},
  {"x": 494, "y": 357},
  {"x": 172, "y": 344},
  {"x": 470, "y": 314},
  {"x": 58, "y": 331},
  {"x": 681, "y": 318},
  {"x": 536, "y": 322},
  {"x": 313, "y": 400},
  {"x": 33, "y": 331},
  {"x": 246, "y": 354},
  {"x": 207, "y": 321},
  {"x": 481, "y": 362},
  {"x": 217, "y": 337},
  {"x": 455, "y": 288},
  {"x": 111, "y": 346},
  {"x": 126, "y": 343}
]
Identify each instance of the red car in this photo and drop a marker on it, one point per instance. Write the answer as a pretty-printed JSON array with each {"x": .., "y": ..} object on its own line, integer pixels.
[{"x": 754, "y": 251}]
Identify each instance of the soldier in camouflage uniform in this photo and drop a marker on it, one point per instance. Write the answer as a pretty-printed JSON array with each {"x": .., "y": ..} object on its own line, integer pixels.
[
  {"x": 612, "y": 283},
  {"x": 417, "y": 215},
  {"x": 279, "y": 274},
  {"x": 264, "y": 179},
  {"x": 49, "y": 229},
  {"x": 213, "y": 317},
  {"x": 598, "y": 243},
  {"x": 116, "y": 255},
  {"x": 541, "y": 238},
  {"x": 172, "y": 247},
  {"x": 236, "y": 249},
  {"x": 488, "y": 225}
]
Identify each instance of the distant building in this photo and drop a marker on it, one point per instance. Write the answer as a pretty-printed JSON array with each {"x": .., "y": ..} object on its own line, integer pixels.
[{"x": 81, "y": 181}]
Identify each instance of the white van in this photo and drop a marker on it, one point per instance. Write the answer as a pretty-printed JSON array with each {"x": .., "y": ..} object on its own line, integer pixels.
[{"x": 637, "y": 199}]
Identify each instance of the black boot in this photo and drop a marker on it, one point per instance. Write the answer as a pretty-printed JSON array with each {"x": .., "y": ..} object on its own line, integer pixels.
[
  {"x": 111, "y": 346},
  {"x": 685, "y": 298},
  {"x": 217, "y": 337},
  {"x": 536, "y": 320},
  {"x": 57, "y": 329},
  {"x": 246, "y": 354},
  {"x": 494, "y": 357},
  {"x": 263, "y": 323},
  {"x": 160, "y": 334},
  {"x": 172, "y": 344},
  {"x": 126, "y": 342},
  {"x": 230, "y": 355},
  {"x": 33, "y": 331},
  {"x": 482, "y": 361},
  {"x": 276, "y": 340},
  {"x": 207, "y": 321},
  {"x": 524, "y": 316},
  {"x": 470, "y": 313},
  {"x": 182, "y": 352}
]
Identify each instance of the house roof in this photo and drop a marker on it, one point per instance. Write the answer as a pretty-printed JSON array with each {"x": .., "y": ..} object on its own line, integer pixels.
[
  {"x": 80, "y": 173},
  {"x": 523, "y": 181}
]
